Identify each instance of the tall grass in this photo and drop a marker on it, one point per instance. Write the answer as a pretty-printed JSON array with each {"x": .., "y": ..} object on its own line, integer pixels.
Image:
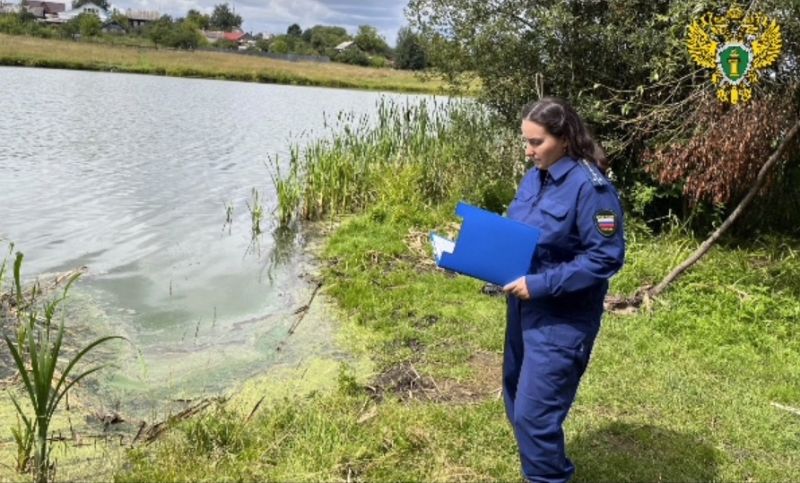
[
  {"x": 438, "y": 151},
  {"x": 36, "y": 353}
]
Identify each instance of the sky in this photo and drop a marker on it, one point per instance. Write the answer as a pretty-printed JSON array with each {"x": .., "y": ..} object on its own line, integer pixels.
[{"x": 275, "y": 16}]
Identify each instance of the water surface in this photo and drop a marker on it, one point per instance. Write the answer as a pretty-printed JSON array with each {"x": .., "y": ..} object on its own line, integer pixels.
[{"x": 131, "y": 175}]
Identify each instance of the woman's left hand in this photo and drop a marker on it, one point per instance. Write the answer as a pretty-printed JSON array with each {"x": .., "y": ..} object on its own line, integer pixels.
[{"x": 518, "y": 288}]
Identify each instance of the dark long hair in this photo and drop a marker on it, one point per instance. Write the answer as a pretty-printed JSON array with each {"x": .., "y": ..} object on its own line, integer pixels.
[{"x": 563, "y": 122}]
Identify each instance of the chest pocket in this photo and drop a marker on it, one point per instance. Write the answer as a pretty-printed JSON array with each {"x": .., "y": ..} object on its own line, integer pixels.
[
  {"x": 554, "y": 209},
  {"x": 520, "y": 206}
]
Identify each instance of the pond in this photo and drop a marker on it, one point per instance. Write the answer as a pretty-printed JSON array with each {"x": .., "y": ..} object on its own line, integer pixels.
[{"x": 148, "y": 181}]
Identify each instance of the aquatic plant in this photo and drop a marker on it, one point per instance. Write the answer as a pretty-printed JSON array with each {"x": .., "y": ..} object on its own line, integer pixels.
[
  {"x": 36, "y": 353},
  {"x": 433, "y": 151},
  {"x": 228, "y": 217},
  {"x": 256, "y": 213}
]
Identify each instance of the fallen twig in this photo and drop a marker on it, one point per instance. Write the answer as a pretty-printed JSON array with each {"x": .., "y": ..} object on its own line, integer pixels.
[
  {"x": 156, "y": 430},
  {"x": 790, "y": 409},
  {"x": 304, "y": 310}
]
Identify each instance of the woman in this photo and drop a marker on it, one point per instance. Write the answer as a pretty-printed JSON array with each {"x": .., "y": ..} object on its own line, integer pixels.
[{"x": 554, "y": 312}]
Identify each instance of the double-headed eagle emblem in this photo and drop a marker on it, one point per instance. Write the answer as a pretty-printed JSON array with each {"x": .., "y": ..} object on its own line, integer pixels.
[{"x": 736, "y": 46}]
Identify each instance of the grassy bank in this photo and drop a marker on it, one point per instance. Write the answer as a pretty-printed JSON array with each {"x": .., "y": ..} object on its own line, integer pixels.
[
  {"x": 680, "y": 391},
  {"x": 63, "y": 54}
]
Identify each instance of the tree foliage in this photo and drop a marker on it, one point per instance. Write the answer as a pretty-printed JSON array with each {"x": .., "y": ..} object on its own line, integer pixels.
[
  {"x": 625, "y": 66},
  {"x": 294, "y": 30},
  {"x": 323, "y": 38},
  {"x": 368, "y": 40},
  {"x": 721, "y": 163},
  {"x": 86, "y": 25},
  {"x": 409, "y": 52},
  {"x": 200, "y": 20},
  {"x": 89, "y": 24},
  {"x": 223, "y": 18},
  {"x": 180, "y": 35},
  {"x": 354, "y": 56}
]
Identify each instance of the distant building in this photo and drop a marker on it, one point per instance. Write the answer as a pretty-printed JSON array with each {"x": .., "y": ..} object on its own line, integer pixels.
[
  {"x": 344, "y": 46},
  {"x": 140, "y": 18},
  {"x": 101, "y": 13},
  {"x": 237, "y": 36},
  {"x": 8, "y": 7},
  {"x": 213, "y": 35},
  {"x": 42, "y": 10},
  {"x": 242, "y": 39}
]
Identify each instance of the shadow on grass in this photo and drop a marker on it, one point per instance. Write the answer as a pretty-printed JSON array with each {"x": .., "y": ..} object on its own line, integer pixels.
[{"x": 626, "y": 452}]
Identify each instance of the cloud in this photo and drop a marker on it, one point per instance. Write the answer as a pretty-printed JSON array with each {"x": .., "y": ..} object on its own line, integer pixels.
[{"x": 275, "y": 16}]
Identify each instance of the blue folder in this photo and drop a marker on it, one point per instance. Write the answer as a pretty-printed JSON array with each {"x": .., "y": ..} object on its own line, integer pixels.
[{"x": 489, "y": 247}]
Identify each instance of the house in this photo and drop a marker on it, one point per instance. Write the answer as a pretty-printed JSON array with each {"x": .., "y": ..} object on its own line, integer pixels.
[
  {"x": 213, "y": 35},
  {"x": 344, "y": 46},
  {"x": 140, "y": 18},
  {"x": 43, "y": 10},
  {"x": 101, "y": 13},
  {"x": 237, "y": 36}
]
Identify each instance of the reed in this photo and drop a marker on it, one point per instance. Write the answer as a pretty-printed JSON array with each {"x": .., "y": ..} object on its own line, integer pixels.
[
  {"x": 36, "y": 353},
  {"x": 256, "y": 213},
  {"x": 440, "y": 151}
]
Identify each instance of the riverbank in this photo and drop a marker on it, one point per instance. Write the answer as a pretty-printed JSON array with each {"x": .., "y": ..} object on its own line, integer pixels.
[
  {"x": 64, "y": 54},
  {"x": 693, "y": 387},
  {"x": 682, "y": 391}
]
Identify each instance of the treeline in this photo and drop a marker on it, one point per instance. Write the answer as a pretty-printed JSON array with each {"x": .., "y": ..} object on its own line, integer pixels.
[{"x": 366, "y": 47}]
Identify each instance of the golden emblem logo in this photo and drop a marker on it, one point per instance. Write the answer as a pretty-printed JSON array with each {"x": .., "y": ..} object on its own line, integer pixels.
[{"x": 737, "y": 46}]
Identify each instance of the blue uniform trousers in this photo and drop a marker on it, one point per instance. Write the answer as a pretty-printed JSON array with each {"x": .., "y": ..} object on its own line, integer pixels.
[{"x": 545, "y": 357}]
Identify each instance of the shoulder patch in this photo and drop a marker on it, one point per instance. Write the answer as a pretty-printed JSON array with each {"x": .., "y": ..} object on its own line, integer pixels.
[
  {"x": 606, "y": 222},
  {"x": 593, "y": 173}
]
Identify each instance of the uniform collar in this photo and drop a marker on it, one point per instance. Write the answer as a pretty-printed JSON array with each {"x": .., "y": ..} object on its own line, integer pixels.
[{"x": 560, "y": 168}]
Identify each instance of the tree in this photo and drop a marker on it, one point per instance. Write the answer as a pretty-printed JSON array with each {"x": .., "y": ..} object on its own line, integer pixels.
[
  {"x": 294, "y": 30},
  {"x": 89, "y": 24},
  {"x": 185, "y": 35},
  {"x": 224, "y": 19},
  {"x": 409, "y": 52},
  {"x": 86, "y": 24},
  {"x": 200, "y": 20},
  {"x": 577, "y": 50},
  {"x": 100, "y": 3},
  {"x": 354, "y": 56},
  {"x": 121, "y": 20},
  {"x": 279, "y": 45},
  {"x": 160, "y": 31},
  {"x": 324, "y": 38},
  {"x": 368, "y": 40}
]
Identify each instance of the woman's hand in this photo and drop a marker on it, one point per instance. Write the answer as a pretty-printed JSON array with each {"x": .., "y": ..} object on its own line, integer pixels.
[{"x": 518, "y": 288}]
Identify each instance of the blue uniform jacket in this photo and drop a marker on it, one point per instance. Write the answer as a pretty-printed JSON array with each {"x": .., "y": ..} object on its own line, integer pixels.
[{"x": 581, "y": 243}]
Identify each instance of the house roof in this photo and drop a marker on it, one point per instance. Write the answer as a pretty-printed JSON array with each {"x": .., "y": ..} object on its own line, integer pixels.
[
  {"x": 213, "y": 34},
  {"x": 47, "y": 7},
  {"x": 142, "y": 15},
  {"x": 234, "y": 36},
  {"x": 344, "y": 45}
]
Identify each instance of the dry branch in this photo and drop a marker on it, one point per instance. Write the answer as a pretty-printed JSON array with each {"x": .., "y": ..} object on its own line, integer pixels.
[{"x": 760, "y": 181}]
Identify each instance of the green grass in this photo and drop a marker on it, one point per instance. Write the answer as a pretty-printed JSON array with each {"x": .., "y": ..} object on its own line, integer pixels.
[
  {"x": 65, "y": 54},
  {"x": 682, "y": 390}
]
